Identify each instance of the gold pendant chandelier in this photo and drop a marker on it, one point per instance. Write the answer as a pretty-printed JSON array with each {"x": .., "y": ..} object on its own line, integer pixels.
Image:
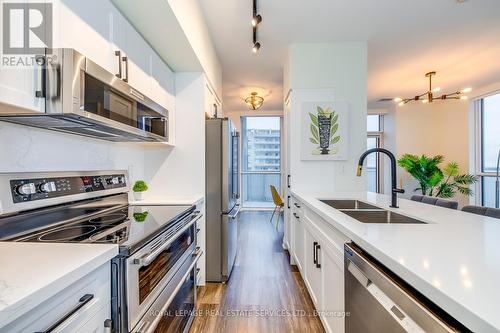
[
  {"x": 254, "y": 101},
  {"x": 428, "y": 96}
]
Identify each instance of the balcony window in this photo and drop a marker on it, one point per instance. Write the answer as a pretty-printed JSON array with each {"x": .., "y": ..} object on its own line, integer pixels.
[
  {"x": 489, "y": 143},
  {"x": 373, "y": 164},
  {"x": 261, "y": 164}
]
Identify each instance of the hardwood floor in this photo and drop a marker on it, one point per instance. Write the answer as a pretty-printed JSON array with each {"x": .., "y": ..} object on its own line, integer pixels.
[{"x": 264, "y": 293}]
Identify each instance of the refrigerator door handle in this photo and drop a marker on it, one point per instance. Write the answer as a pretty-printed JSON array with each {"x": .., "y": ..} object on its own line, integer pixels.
[{"x": 233, "y": 216}]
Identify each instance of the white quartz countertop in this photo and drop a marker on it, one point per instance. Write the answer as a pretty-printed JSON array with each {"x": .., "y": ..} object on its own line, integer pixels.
[
  {"x": 454, "y": 260},
  {"x": 157, "y": 201},
  {"x": 30, "y": 273}
]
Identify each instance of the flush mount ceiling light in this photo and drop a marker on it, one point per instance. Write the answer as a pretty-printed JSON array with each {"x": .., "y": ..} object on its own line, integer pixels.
[
  {"x": 256, "y": 19},
  {"x": 254, "y": 101},
  {"x": 428, "y": 96}
]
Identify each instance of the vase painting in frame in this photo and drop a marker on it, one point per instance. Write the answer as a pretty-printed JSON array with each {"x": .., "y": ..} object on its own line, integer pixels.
[{"x": 324, "y": 130}]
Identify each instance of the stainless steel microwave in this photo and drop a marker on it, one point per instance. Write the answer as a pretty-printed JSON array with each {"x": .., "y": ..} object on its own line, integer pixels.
[{"x": 83, "y": 98}]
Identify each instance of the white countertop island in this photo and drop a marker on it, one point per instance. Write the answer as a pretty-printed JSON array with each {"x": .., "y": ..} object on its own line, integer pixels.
[
  {"x": 454, "y": 259},
  {"x": 31, "y": 273}
]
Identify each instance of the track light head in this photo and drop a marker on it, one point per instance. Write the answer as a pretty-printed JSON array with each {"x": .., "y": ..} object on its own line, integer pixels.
[
  {"x": 256, "y": 47},
  {"x": 256, "y": 20}
]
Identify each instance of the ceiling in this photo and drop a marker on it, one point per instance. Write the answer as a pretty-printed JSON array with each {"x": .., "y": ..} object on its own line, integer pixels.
[{"x": 406, "y": 39}]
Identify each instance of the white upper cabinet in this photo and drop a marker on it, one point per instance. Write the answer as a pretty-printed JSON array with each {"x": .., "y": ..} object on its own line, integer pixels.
[
  {"x": 162, "y": 86},
  {"x": 99, "y": 31},
  {"x": 87, "y": 26},
  {"x": 20, "y": 81},
  {"x": 137, "y": 67}
]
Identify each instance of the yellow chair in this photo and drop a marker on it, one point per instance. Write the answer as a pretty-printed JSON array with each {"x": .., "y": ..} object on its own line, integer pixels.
[{"x": 279, "y": 205}]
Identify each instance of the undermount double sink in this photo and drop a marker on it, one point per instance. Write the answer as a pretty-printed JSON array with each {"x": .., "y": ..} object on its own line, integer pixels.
[{"x": 367, "y": 213}]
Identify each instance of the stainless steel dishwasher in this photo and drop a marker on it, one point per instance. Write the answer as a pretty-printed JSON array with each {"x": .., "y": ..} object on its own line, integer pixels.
[{"x": 376, "y": 300}]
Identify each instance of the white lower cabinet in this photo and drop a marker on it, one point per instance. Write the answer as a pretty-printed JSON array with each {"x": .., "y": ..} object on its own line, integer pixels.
[
  {"x": 333, "y": 290},
  {"x": 84, "y": 306},
  {"x": 317, "y": 250},
  {"x": 298, "y": 240},
  {"x": 313, "y": 267}
]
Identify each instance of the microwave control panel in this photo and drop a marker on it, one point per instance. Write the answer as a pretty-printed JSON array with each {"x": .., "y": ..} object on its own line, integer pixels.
[{"x": 24, "y": 190}]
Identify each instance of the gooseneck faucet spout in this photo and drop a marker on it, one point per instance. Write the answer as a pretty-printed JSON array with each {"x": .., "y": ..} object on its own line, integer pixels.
[{"x": 395, "y": 190}]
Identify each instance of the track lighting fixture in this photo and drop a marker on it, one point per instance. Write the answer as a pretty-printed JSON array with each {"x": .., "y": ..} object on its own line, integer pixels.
[
  {"x": 256, "y": 47},
  {"x": 256, "y": 19}
]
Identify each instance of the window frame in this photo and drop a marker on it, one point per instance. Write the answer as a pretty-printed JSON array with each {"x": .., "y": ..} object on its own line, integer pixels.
[
  {"x": 263, "y": 172},
  {"x": 379, "y": 137},
  {"x": 478, "y": 107}
]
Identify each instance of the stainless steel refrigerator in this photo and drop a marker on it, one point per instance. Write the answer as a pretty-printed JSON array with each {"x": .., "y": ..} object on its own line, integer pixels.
[{"x": 222, "y": 193}]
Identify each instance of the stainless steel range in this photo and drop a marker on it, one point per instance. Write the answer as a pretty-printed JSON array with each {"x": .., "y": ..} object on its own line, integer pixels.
[{"x": 153, "y": 277}]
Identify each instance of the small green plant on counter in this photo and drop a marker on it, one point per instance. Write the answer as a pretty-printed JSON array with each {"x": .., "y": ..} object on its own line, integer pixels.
[
  {"x": 433, "y": 180},
  {"x": 140, "y": 217},
  {"x": 140, "y": 186}
]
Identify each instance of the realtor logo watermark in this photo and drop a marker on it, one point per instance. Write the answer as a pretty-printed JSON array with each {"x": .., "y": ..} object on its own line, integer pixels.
[{"x": 26, "y": 32}]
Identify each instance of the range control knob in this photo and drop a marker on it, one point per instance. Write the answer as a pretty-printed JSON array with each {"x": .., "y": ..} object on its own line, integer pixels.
[
  {"x": 115, "y": 180},
  {"x": 47, "y": 187},
  {"x": 26, "y": 189}
]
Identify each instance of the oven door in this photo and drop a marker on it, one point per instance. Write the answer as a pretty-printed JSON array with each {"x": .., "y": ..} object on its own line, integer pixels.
[
  {"x": 153, "y": 266},
  {"x": 173, "y": 311}
]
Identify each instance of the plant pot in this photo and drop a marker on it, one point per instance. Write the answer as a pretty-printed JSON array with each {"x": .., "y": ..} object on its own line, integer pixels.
[
  {"x": 138, "y": 196},
  {"x": 324, "y": 125}
]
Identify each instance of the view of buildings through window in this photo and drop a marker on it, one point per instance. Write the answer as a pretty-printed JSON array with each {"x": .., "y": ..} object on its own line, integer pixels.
[
  {"x": 374, "y": 140},
  {"x": 490, "y": 146},
  {"x": 261, "y": 155}
]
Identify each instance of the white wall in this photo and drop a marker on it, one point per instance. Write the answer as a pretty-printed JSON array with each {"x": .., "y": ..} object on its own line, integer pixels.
[
  {"x": 25, "y": 149},
  {"x": 440, "y": 128},
  {"x": 180, "y": 171},
  {"x": 341, "y": 67},
  {"x": 170, "y": 171},
  {"x": 192, "y": 21}
]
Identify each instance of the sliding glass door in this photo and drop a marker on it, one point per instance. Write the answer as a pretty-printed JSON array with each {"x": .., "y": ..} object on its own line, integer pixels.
[{"x": 261, "y": 160}]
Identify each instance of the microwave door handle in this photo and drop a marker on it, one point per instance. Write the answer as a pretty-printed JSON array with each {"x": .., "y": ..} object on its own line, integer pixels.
[
  {"x": 58, "y": 77},
  {"x": 118, "y": 53},
  {"x": 125, "y": 60},
  {"x": 41, "y": 61}
]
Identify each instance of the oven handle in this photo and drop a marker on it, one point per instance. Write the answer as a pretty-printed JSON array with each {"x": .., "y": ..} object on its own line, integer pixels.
[
  {"x": 148, "y": 259},
  {"x": 149, "y": 327}
]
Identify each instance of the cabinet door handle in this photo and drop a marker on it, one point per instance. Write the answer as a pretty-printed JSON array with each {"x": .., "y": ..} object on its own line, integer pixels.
[
  {"x": 297, "y": 205},
  {"x": 108, "y": 326},
  {"x": 288, "y": 202},
  {"x": 318, "y": 247},
  {"x": 81, "y": 303},
  {"x": 315, "y": 259},
  {"x": 119, "y": 55},
  {"x": 296, "y": 216},
  {"x": 288, "y": 181},
  {"x": 125, "y": 60}
]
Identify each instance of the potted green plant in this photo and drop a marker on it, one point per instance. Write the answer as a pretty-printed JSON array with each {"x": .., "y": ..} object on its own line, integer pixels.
[
  {"x": 139, "y": 188},
  {"x": 433, "y": 180},
  {"x": 140, "y": 217}
]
